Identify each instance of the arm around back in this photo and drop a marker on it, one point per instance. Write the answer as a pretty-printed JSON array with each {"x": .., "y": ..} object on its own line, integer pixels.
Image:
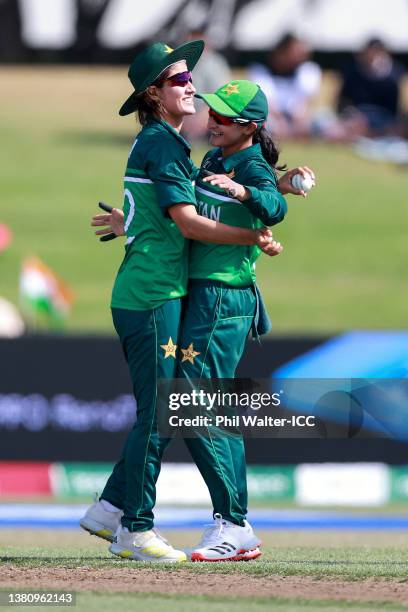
[{"x": 196, "y": 227}]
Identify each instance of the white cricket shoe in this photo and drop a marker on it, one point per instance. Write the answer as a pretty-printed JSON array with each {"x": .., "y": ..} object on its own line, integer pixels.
[
  {"x": 145, "y": 546},
  {"x": 225, "y": 541},
  {"x": 101, "y": 522}
]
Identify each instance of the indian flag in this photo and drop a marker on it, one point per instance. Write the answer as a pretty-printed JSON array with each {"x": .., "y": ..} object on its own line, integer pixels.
[{"x": 44, "y": 297}]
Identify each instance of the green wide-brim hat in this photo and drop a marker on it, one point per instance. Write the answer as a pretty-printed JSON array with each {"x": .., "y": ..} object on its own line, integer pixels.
[
  {"x": 152, "y": 61},
  {"x": 243, "y": 99}
]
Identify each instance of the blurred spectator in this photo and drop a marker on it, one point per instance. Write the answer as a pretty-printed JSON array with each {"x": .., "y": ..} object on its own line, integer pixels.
[
  {"x": 211, "y": 72},
  {"x": 289, "y": 80},
  {"x": 370, "y": 92}
]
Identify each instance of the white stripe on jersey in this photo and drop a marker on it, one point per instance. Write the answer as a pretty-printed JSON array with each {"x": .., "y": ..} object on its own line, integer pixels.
[
  {"x": 216, "y": 196},
  {"x": 137, "y": 179},
  {"x": 131, "y": 213}
]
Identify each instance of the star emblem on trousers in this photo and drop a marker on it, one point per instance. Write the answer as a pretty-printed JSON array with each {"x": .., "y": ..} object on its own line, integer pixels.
[
  {"x": 189, "y": 354},
  {"x": 169, "y": 349},
  {"x": 230, "y": 89}
]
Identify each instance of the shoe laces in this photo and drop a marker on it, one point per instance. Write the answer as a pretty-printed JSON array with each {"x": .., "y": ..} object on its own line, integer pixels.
[{"x": 213, "y": 532}]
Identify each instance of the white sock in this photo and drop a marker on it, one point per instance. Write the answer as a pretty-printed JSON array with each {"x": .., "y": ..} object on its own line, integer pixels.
[{"x": 108, "y": 506}]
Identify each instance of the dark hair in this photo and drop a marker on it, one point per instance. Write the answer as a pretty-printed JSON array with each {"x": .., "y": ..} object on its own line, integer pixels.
[
  {"x": 269, "y": 149},
  {"x": 146, "y": 105}
]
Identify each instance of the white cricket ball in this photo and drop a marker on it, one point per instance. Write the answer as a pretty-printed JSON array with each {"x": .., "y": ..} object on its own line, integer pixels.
[{"x": 305, "y": 183}]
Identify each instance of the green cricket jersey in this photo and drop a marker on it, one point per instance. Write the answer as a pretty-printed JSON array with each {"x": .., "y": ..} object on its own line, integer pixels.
[
  {"x": 235, "y": 264},
  {"x": 159, "y": 174}
]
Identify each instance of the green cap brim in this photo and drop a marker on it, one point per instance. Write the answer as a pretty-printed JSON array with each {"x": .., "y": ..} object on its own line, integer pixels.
[
  {"x": 129, "y": 106},
  {"x": 190, "y": 52},
  {"x": 218, "y": 105}
]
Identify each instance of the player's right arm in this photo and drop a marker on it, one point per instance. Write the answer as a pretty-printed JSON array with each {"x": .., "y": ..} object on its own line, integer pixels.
[{"x": 195, "y": 227}]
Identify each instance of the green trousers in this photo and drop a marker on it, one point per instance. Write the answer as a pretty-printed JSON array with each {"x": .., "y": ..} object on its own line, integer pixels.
[
  {"x": 143, "y": 334},
  {"x": 216, "y": 322}
]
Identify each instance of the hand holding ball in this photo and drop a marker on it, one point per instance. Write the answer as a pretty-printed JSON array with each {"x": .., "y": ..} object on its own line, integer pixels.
[{"x": 304, "y": 183}]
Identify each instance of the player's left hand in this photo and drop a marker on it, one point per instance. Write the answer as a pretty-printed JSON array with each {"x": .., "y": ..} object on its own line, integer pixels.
[
  {"x": 266, "y": 242},
  {"x": 233, "y": 189},
  {"x": 113, "y": 222},
  {"x": 285, "y": 181},
  {"x": 273, "y": 248}
]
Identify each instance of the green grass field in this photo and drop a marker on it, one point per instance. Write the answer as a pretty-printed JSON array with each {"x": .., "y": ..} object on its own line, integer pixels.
[
  {"x": 299, "y": 570},
  {"x": 64, "y": 147},
  {"x": 351, "y": 562}
]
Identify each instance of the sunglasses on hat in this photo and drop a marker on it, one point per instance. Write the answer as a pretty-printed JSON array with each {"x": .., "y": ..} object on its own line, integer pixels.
[
  {"x": 180, "y": 79},
  {"x": 222, "y": 120}
]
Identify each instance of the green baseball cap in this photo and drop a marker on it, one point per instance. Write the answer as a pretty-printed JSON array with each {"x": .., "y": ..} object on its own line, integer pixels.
[
  {"x": 151, "y": 62},
  {"x": 243, "y": 99}
]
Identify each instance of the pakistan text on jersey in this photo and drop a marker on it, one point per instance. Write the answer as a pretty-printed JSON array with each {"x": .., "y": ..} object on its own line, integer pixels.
[{"x": 209, "y": 211}]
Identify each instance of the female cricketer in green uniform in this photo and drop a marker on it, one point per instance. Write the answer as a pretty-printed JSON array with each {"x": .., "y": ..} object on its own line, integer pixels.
[
  {"x": 159, "y": 213},
  {"x": 223, "y": 299},
  {"x": 223, "y": 302}
]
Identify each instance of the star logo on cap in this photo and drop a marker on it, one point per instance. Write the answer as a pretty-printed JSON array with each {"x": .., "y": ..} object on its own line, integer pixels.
[
  {"x": 231, "y": 89},
  {"x": 189, "y": 354},
  {"x": 168, "y": 49},
  {"x": 169, "y": 349}
]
